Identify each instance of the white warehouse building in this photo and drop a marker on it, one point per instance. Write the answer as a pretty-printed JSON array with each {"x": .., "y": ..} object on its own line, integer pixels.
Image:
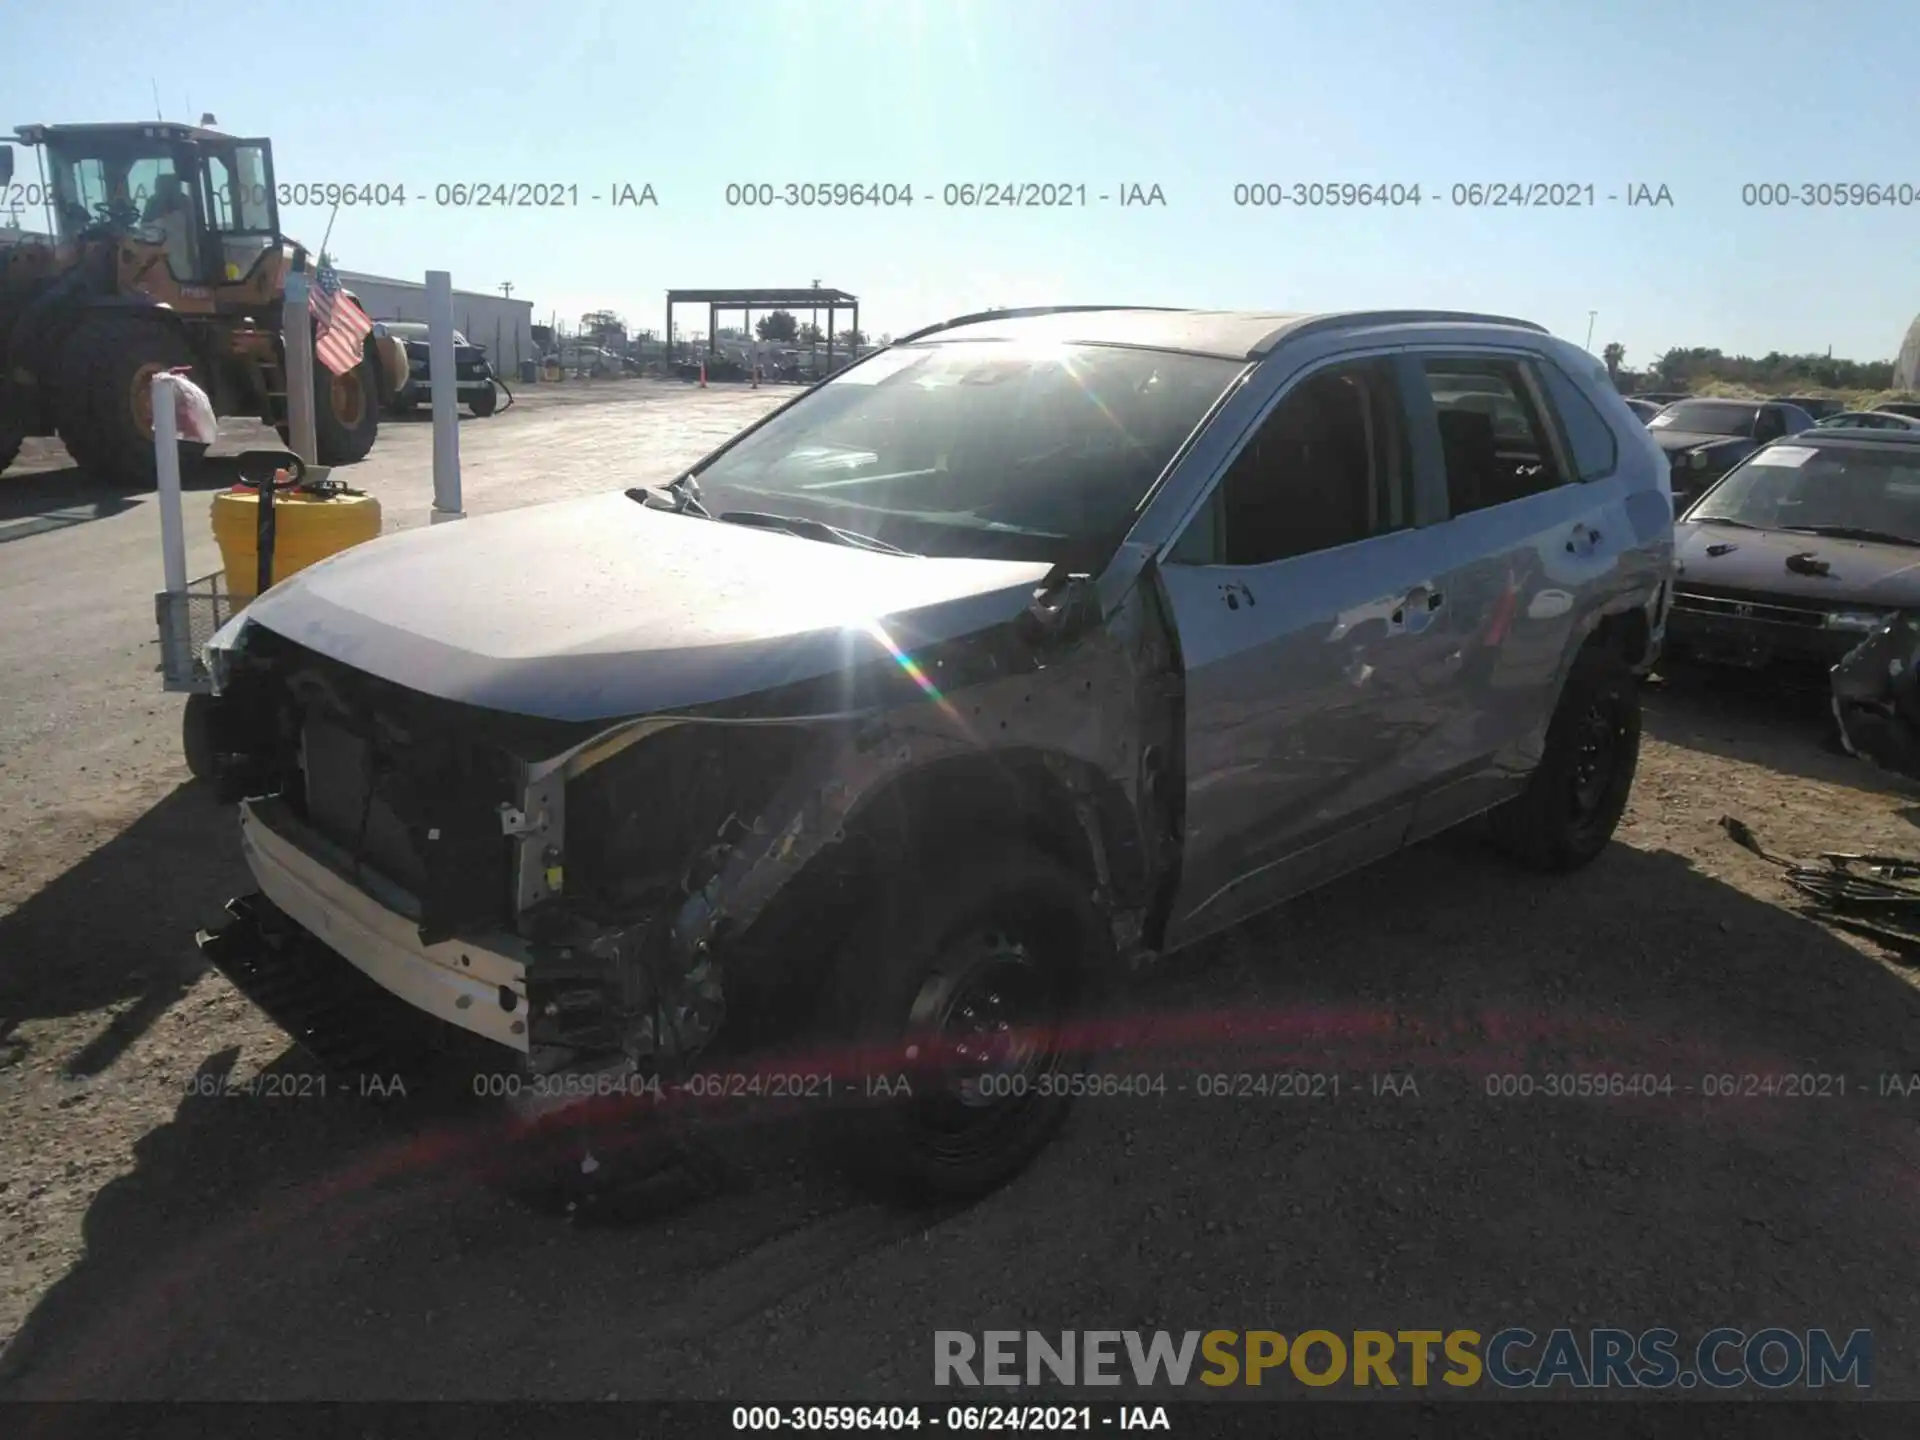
[{"x": 503, "y": 325}]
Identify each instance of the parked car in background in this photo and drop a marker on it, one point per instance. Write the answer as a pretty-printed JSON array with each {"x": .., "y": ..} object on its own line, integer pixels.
[
  {"x": 1644, "y": 410},
  {"x": 473, "y": 373},
  {"x": 1663, "y": 397},
  {"x": 1900, "y": 407},
  {"x": 1706, "y": 438},
  {"x": 1800, "y": 552},
  {"x": 1868, "y": 420},
  {"x": 931, "y": 706},
  {"x": 587, "y": 360},
  {"x": 1818, "y": 406}
]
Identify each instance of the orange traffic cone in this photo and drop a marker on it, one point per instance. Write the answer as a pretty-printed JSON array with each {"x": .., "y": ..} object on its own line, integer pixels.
[{"x": 703, "y": 374}]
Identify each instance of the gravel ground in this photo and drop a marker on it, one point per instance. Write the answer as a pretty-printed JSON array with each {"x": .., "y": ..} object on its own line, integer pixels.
[{"x": 156, "y": 1241}]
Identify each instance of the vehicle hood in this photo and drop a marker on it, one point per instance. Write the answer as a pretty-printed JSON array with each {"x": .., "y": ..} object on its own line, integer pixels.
[
  {"x": 421, "y": 352},
  {"x": 601, "y": 608},
  {"x": 1860, "y": 573},
  {"x": 1673, "y": 441}
]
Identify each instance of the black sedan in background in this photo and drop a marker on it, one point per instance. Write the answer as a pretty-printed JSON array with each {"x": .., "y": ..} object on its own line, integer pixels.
[
  {"x": 473, "y": 372},
  {"x": 1800, "y": 553},
  {"x": 1704, "y": 439}
]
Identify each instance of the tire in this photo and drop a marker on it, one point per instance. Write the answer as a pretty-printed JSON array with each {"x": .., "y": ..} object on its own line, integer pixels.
[
  {"x": 1573, "y": 802},
  {"x": 1008, "y": 939},
  {"x": 346, "y": 411},
  {"x": 10, "y": 443},
  {"x": 104, "y": 365},
  {"x": 197, "y": 737},
  {"x": 484, "y": 401}
]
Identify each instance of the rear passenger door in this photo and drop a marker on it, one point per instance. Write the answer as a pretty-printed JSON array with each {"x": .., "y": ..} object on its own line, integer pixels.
[{"x": 1524, "y": 461}]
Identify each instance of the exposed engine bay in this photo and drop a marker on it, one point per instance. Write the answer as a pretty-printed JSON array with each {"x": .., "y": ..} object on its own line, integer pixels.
[{"x": 605, "y": 894}]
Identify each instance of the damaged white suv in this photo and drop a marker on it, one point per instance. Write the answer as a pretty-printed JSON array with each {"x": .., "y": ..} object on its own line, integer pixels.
[{"x": 1026, "y": 649}]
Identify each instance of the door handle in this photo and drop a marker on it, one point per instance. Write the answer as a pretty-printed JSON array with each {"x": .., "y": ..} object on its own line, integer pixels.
[
  {"x": 1415, "y": 609},
  {"x": 1583, "y": 539}
]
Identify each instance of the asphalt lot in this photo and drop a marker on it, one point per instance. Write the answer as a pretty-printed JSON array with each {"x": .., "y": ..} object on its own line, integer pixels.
[{"x": 161, "y": 1236}]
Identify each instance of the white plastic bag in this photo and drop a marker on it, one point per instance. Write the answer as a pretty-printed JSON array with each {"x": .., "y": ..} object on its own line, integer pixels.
[{"x": 193, "y": 411}]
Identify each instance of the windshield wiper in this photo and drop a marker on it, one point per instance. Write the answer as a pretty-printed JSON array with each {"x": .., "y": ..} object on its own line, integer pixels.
[
  {"x": 809, "y": 530},
  {"x": 1852, "y": 532},
  {"x": 1722, "y": 520}
]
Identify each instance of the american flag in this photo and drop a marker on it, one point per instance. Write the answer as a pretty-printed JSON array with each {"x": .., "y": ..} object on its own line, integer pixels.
[{"x": 343, "y": 325}]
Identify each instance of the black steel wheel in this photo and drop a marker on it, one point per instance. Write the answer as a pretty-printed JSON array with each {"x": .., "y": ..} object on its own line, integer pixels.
[
  {"x": 1573, "y": 803},
  {"x": 958, "y": 1006}
]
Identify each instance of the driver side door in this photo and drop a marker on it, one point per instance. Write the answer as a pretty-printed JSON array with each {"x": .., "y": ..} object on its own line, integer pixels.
[{"x": 1306, "y": 603}]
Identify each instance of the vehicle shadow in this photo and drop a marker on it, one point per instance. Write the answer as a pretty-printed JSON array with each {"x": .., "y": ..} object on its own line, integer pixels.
[
  {"x": 1760, "y": 720},
  {"x": 116, "y": 931},
  {"x": 270, "y": 1249},
  {"x": 45, "y": 500}
]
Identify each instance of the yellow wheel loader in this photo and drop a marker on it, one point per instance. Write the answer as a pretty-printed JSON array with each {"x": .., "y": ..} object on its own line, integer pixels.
[{"x": 162, "y": 250}]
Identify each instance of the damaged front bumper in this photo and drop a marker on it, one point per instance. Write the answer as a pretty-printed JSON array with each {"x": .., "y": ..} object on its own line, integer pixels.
[{"x": 476, "y": 983}]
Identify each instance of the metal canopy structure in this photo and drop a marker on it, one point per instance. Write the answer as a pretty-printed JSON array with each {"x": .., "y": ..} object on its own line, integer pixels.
[{"x": 813, "y": 299}]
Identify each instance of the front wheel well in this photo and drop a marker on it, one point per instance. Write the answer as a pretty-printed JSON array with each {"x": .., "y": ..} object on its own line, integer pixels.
[{"x": 1049, "y": 801}]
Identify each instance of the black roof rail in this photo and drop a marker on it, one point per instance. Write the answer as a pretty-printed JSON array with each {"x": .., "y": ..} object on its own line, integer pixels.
[
  {"x": 1024, "y": 312},
  {"x": 1342, "y": 319}
]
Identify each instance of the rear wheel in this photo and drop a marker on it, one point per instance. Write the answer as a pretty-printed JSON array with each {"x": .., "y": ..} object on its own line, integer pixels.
[
  {"x": 1572, "y": 804},
  {"x": 483, "y": 401},
  {"x": 956, "y": 1002},
  {"x": 104, "y": 396}
]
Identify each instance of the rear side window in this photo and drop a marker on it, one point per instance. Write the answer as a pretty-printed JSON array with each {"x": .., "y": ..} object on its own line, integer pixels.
[
  {"x": 1590, "y": 439},
  {"x": 1494, "y": 441}
]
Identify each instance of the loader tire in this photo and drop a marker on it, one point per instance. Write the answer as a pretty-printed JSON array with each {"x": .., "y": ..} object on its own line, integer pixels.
[
  {"x": 103, "y": 403},
  {"x": 346, "y": 410}
]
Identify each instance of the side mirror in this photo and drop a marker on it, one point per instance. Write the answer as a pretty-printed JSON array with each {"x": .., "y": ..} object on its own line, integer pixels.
[{"x": 6, "y": 163}]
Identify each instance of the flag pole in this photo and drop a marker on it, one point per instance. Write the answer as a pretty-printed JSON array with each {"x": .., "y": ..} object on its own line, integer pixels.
[{"x": 329, "y": 235}]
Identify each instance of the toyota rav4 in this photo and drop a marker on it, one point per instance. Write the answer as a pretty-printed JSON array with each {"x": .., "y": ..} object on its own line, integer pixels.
[{"x": 923, "y": 712}]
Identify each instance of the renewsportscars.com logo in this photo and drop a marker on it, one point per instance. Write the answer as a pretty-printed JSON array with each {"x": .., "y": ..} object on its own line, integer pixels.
[{"x": 1514, "y": 1358}]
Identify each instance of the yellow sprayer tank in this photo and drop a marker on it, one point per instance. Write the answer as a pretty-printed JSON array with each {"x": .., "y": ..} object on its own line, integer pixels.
[{"x": 307, "y": 528}]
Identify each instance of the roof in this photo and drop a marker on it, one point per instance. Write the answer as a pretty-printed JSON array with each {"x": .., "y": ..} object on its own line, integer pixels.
[
  {"x": 1228, "y": 334},
  {"x": 804, "y": 299},
  {"x": 149, "y": 129},
  {"x": 351, "y": 278}
]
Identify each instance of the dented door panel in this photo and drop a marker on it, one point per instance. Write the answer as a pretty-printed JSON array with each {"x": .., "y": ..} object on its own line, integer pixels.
[{"x": 1311, "y": 693}]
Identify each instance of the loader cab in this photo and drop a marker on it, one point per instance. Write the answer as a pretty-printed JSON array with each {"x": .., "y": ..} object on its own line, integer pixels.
[{"x": 204, "y": 200}]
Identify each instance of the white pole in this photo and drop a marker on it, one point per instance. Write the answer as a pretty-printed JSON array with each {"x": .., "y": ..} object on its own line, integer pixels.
[
  {"x": 441, "y": 375},
  {"x": 166, "y": 459},
  {"x": 296, "y": 325}
]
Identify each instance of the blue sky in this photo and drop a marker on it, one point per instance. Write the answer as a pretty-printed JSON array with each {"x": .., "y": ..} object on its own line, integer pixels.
[{"x": 1195, "y": 97}]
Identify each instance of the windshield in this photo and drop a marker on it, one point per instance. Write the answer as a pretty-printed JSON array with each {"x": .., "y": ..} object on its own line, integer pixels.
[
  {"x": 1788, "y": 487},
  {"x": 977, "y": 448},
  {"x": 1708, "y": 417}
]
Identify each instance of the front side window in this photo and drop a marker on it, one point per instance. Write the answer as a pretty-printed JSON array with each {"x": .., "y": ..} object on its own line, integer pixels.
[
  {"x": 978, "y": 448},
  {"x": 1328, "y": 467}
]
